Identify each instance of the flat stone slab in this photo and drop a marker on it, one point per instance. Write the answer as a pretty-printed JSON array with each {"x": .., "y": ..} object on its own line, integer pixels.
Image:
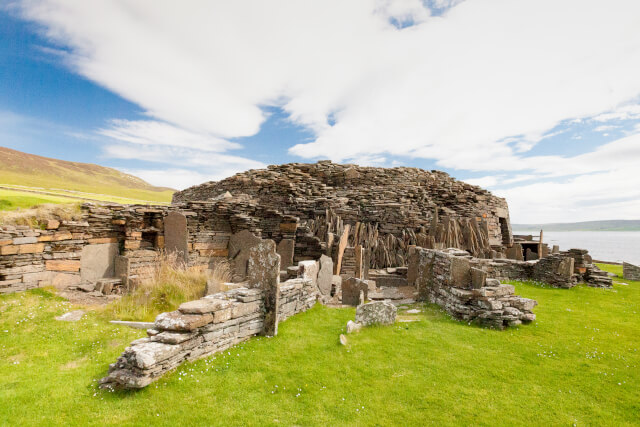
[
  {"x": 71, "y": 316},
  {"x": 177, "y": 321},
  {"x": 201, "y": 306},
  {"x": 413, "y": 311},
  {"x": 134, "y": 325}
]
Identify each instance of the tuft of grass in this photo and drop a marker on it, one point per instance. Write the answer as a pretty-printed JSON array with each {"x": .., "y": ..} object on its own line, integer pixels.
[
  {"x": 578, "y": 364},
  {"x": 169, "y": 283},
  {"x": 37, "y": 215}
]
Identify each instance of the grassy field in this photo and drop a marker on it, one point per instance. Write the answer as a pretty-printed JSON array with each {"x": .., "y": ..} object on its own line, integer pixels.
[
  {"x": 11, "y": 200},
  {"x": 14, "y": 199},
  {"x": 54, "y": 175},
  {"x": 578, "y": 364}
]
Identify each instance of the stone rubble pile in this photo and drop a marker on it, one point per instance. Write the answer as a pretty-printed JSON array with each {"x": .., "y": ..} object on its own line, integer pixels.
[
  {"x": 586, "y": 271},
  {"x": 448, "y": 279}
]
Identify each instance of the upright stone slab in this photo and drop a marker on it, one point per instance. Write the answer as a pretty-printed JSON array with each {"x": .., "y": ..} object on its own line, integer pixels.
[
  {"x": 98, "y": 261},
  {"x": 342, "y": 245},
  {"x": 309, "y": 270},
  {"x": 325, "y": 275},
  {"x": 286, "y": 248},
  {"x": 240, "y": 245},
  {"x": 630, "y": 271},
  {"x": 351, "y": 289},
  {"x": 176, "y": 235},
  {"x": 478, "y": 278},
  {"x": 263, "y": 272},
  {"x": 460, "y": 272},
  {"x": 359, "y": 262},
  {"x": 123, "y": 269}
]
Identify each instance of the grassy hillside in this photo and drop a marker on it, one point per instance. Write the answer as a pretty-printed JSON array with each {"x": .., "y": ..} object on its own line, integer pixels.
[
  {"x": 608, "y": 225},
  {"x": 63, "y": 177},
  {"x": 576, "y": 365}
]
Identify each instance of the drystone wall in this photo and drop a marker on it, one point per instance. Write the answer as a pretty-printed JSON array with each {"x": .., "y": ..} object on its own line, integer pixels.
[
  {"x": 630, "y": 271},
  {"x": 212, "y": 324},
  {"x": 63, "y": 254},
  {"x": 120, "y": 244},
  {"x": 448, "y": 279}
]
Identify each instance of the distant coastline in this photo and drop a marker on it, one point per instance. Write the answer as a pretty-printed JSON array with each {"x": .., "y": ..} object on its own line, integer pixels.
[{"x": 608, "y": 225}]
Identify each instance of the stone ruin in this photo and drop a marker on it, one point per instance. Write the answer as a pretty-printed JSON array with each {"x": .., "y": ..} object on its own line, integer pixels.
[
  {"x": 294, "y": 234},
  {"x": 630, "y": 271}
]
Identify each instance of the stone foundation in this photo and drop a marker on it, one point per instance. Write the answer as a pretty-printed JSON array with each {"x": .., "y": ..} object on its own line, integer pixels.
[{"x": 445, "y": 278}]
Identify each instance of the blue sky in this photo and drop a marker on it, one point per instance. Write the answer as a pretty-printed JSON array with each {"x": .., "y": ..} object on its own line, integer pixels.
[{"x": 181, "y": 94}]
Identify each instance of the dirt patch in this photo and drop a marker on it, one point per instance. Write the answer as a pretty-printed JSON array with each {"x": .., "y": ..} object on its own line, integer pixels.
[
  {"x": 87, "y": 299},
  {"x": 73, "y": 364}
]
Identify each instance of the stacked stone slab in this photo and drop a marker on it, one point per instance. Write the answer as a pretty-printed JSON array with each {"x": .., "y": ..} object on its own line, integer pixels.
[
  {"x": 197, "y": 329},
  {"x": 630, "y": 271},
  {"x": 51, "y": 256},
  {"x": 445, "y": 278},
  {"x": 587, "y": 272}
]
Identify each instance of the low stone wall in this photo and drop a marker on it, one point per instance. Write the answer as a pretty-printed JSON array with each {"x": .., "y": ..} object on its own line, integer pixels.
[
  {"x": 216, "y": 322},
  {"x": 448, "y": 279},
  {"x": 630, "y": 271},
  {"x": 201, "y": 328}
]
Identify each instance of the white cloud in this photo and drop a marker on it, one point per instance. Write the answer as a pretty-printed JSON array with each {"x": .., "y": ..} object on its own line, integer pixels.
[
  {"x": 177, "y": 178},
  {"x": 601, "y": 184},
  {"x": 151, "y": 132},
  {"x": 473, "y": 89},
  {"x": 623, "y": 112}
]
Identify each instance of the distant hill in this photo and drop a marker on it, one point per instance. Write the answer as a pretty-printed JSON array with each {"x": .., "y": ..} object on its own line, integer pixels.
[
  {"x": 37, "y": 172},
  {"x": 608, "y": 225}
]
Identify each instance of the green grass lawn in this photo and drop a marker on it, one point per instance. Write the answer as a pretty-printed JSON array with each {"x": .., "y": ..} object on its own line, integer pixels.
[{"x": 578, "y": 364}]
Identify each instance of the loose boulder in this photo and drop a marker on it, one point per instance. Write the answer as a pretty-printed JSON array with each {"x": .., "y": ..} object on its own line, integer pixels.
[{"x": 379, "y": 312}]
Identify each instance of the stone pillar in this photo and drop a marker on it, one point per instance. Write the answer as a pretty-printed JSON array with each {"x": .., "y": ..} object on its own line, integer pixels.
[
  {"x": 263, "y": 272},
  {"x": 540, "y": 246}
]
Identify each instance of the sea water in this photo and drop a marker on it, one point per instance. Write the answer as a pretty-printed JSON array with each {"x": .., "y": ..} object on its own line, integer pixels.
[{"x": 617, "y": 246}]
